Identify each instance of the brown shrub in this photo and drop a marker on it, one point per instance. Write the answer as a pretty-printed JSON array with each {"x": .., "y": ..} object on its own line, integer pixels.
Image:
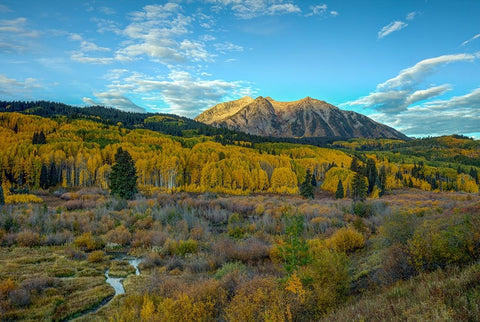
[
  {"x": 96, "y": 256},
  {"x": 28, "y": 238}
]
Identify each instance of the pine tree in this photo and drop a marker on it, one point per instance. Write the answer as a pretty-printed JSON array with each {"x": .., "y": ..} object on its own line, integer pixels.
[
  {"x": 2, "y": 196},
  {"x": 359, "y": 188},
  {"x": 339, "y": 194},
  {"x": 44, "y": 177},
  {"x": 371, "y": 173},
  {"x": 306, "y": 188},
  {"x": 123, "y": 178},
  {"x": 354, "y": 166}
]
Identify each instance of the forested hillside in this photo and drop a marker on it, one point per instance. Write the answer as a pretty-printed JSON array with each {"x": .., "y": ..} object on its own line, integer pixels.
[
  {"x": 42, "y": 153},
  {"x": 227, "y": 232}
]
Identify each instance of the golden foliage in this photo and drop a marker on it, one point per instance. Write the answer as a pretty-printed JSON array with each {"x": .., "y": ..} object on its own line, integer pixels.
[{"x": 346, "y": 240}]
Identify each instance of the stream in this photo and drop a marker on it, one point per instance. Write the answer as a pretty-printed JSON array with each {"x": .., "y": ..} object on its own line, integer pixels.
[{"x": 115, "y": 282}]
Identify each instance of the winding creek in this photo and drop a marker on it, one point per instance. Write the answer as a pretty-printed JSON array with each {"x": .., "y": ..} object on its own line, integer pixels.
[{"x": 115, "y": 282}]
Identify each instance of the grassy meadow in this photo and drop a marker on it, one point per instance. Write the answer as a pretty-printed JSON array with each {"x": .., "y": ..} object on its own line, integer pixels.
[{"x": 409, "y": 255}]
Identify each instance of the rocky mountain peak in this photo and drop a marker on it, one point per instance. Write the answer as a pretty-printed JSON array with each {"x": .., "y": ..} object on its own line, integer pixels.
[{"x": 307, "y": 117}]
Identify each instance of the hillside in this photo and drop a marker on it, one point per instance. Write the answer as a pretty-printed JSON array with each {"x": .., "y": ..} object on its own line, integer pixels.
[
  {"x": 304, "y": 118},
  {"x": 221, "y": 229}
]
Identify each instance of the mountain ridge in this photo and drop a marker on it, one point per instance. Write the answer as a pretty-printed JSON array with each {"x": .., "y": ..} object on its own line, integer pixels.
[{"x": 307, "y": 117}]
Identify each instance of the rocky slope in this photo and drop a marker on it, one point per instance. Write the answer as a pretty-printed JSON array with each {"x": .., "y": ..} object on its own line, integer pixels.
[{"x": 307, "y": 117}]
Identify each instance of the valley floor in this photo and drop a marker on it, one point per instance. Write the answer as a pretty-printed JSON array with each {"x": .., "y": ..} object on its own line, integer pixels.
[{"x": 409, "y": 255}]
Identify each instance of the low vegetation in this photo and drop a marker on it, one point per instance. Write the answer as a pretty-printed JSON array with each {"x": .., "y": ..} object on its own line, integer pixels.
[{"x": 208, "y": 257}]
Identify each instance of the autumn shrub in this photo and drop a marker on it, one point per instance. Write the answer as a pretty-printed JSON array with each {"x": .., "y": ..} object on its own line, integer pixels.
[
  {"x": 185, "y": 308},
  {"x": 149, "y": 238},
  {"x": 22, "y": 198},
  {"x": 120, "y": 235},
  {"x": 346, "y": 240},
  {"x": 249, "y": 251},
  {"x": 38, "y": 284},
  {"x": 6, "y": 286},
  {"x": 197, "y": 265},
  {"x": 28, "y": 238},
  {"x": 229, "y": 268},
  {"x": 260, "y": 299},
  {"x": 439, "y": 243},
  {"x": 363, "y": 209},
  {"x": 96, "y": 256},
  {"x": 326, "y": 281},
  {"x": 20, "y": 297},
  {"x": 398, "y": 228},
  {"x": 59, "y": 238},
  {"x": 73, "y": 253},
  {"x": 87, "y": 242},
  {"x": 151, "y": 260},
  {"x": 395, "y": 265},
  {"x": 74, "y": 204}
]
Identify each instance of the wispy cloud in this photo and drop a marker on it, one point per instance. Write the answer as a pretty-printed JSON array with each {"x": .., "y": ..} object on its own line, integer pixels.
[
  {"x": 15, "y": 36},
  {"x": 470, "y": 40},
  {"x": 227, "y": 46},
  {"x": 4, "y": 9},
  {"x": 279, "y": 9},
  {"x": 459, "y": 114},
  {"x": 12, "y": 87},
  {"x": 182, "y": 92},
  {"x": 114, "y": 99},
  {"x": 391, "y": 27},
  {"x": 248, "y": 9},
  {"x": 396, "y": 94},
  {"x": 412, "y": 15}
]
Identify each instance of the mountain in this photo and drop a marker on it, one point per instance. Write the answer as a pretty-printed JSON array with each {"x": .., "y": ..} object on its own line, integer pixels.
[{"x": 304, "y": 118}]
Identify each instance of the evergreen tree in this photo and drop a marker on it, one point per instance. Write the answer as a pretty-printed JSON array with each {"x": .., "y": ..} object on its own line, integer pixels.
[
  {"x": 371, "y": 173},
  {"x": 2, "y": 196},
  {"x": 123, "y": 178},
  {"x": 339, "y": 194},
  {"x": 314, "y": 180},
  {"x": 382, "y": 178},
  {"x": 354, "y": 166},
  {"x": 44, "y": 177},
  {"x": 306, "y": 188},
  {"x": 359, "y": 188}
]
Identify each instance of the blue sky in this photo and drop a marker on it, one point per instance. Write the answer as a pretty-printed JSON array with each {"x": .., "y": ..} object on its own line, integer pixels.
[{"x": 414, "y": 65}]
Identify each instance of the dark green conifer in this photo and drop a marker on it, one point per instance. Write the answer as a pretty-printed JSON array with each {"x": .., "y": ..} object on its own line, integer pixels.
[
  {"x": 307, "y": 190},
  {"x": 123, "y": 178},
  {"x": 359, "y": 188},
  {"x": 339, "y": 194}
]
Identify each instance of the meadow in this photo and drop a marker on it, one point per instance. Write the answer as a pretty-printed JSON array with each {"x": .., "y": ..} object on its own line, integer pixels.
[{"x": 410, "y": 254}]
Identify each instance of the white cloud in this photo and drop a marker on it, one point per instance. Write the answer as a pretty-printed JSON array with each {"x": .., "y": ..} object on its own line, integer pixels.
[
  {"x": 391, "y": 27},
  {"x": 470, "y": 40},
  {"x": 417, "y": 73},
  {"x": 182, "y": 92},
  {"x": 460, "y": 115},
  {"x": 15, "y": 37},
  {"x": 412, "y": 15},
  {"x": 318, "y": 10},
  {"x": 107, "y": 10},
  {"x": 398, "y": 93},
  {"x": 425, "y": 94},
  {"x": 227, "y": 46},
  {"x": 248, "y": 9},
  {"x": 156, "y": 12},
  {"x": 283, "y": 9},
  {"x": 81, "y": 58},
  {"x": 4, "y": 9},
  {"x": 114, "y": 99},
  {"x": 334, "y": 13},
  {"x": 12, "y": 87}
]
